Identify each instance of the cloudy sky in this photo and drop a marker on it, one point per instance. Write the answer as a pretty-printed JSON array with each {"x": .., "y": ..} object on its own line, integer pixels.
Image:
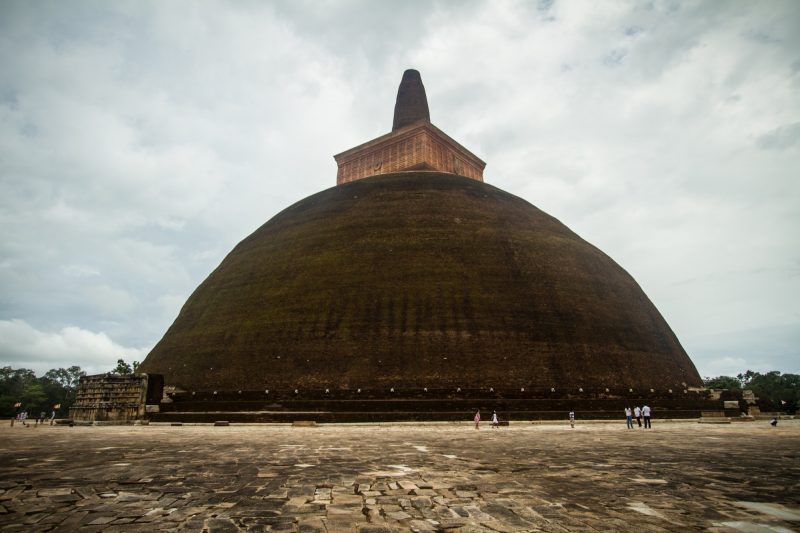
[{"x": 139, "y": 142}]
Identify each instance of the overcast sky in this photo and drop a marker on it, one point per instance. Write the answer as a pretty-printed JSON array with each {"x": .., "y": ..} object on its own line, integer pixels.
[{"x": 139, "y": 142}]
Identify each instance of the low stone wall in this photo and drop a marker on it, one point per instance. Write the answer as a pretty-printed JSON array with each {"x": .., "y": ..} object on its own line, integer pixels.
[
  {"x": 431, "y": 405},
  {"x": 629, "y": 396}
]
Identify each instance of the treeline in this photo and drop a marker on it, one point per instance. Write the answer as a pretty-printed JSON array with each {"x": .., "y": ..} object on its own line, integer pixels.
[
  {"x": 21, "y": 390},
  {"x": 780, "y": 391}
]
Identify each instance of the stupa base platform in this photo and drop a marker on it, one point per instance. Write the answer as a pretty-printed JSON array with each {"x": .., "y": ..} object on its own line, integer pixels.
[{"x": 433, "y": 405}]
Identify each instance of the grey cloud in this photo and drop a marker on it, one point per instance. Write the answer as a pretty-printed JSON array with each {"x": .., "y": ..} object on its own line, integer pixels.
[
  {"x": 761, "y": 36},
  {"x": 727, "y": 351},
  {"x": 139, "y": 142},
  {"x": 615, "y": 57},
  {"x": 23, "y": 346},
  {"x": 364, "y": 32},
  {"x": 544, "y": 5},
  {"x": 780, "y": 138},
  {"x": 632, "y": 31}
]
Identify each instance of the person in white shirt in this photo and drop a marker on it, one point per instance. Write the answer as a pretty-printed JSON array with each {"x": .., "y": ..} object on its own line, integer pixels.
[
  {"x": 646, "y": 414},
  {"x": 637, "y": 414},
  {"x": 572, "y": 419},
  {"x": 495, "y": 421},
  {"x": 629, "y": 417}
]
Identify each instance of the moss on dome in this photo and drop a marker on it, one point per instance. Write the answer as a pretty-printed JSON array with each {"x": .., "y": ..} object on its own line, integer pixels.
[{"x": 418, "y": 279}]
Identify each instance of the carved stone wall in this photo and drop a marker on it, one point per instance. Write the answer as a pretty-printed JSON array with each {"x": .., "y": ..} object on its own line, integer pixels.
[{"x": 115, "y": 398}]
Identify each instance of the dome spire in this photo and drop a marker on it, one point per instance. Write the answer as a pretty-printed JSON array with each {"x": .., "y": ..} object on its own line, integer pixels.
[
  {"x": 413, "y": 144},
  {"x": 412, "y": 104}
]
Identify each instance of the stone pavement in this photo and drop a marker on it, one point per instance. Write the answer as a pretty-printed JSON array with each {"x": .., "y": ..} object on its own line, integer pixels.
[{"x": 370, "y": 479}]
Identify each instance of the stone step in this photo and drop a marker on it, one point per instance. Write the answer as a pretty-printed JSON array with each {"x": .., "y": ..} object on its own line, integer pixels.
[
  {"x": 438, "y": 394},
  {"x": 460, "y": 405}
]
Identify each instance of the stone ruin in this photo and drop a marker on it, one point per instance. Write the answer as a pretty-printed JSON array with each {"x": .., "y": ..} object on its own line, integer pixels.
[{"x": 117, "y": 398}]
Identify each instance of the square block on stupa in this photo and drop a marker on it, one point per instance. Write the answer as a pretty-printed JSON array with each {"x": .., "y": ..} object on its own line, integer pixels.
[{"x": 418, "y": 146}]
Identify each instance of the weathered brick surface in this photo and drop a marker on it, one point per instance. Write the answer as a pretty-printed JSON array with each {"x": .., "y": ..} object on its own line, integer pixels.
[
  {"x": 420, "y": 146},
  {"x": 412, "y": 102},
  {"x": 418, "y": 280}
]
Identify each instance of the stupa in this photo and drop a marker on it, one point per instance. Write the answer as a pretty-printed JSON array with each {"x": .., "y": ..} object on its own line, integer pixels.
[{"x": 414, "y": 290}]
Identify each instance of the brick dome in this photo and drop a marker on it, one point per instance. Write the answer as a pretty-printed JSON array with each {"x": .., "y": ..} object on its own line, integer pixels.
[{"x": 414, "y": 280}]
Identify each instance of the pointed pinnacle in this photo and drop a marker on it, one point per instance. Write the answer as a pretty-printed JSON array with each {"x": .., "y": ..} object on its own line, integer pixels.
[{"x": 412, "y": 104}]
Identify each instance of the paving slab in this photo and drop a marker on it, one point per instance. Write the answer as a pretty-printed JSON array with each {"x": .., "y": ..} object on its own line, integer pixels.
[{"x": 363, "y": 478}]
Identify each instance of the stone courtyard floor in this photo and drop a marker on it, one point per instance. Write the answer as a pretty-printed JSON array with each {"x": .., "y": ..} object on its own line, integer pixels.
[{"x": 374, "y": 478}]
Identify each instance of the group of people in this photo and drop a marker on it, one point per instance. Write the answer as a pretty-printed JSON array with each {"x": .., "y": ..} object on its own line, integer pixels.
[
  {"x": 638, "y": 414},
  {"x": 22, "y": 417},
  {"x": 495, "y": 420}
]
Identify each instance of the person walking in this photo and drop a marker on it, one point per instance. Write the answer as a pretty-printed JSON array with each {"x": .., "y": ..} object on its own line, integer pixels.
[
  {"x": 477, "y": 419},
  {"x": 646, "y": 414},
  {"x": 572, "y": 419},
  {"x": 637, "y": 413},
  {"x": 629, "y": 418},
  {"x": 495, "y": 421}
]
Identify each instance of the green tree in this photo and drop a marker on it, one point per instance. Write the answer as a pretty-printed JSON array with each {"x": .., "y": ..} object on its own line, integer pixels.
[
  {"x": 746, "y": 377},
  {"x": 33, "y": 398},
  {"x": 60, "y": 385},
  {"x": 122, "y": 367},
  {"x": 723, "y": 382},
  {"x": 66, "y": 377},
  {"x": 782, "y": 391},
  {"x": 13, "y": 383}
]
